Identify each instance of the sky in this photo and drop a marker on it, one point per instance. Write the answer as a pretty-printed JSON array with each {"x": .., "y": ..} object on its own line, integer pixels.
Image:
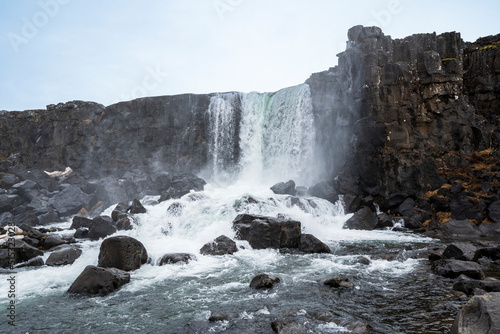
[{"x": 116, "y": 50}]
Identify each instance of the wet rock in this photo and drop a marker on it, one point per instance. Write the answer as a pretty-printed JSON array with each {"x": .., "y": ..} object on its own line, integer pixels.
[
  {"x": 120, "y": 208},
  {"x": 137, "y": 207},
  {"x": 122, "y": 252},
  {"x": 455, "y": 268},
  {"x": 99, "y": 281},
  {"x": 384, "y": 220},
  {"x": 175, "y": 209},
  {"x": 493, "y": 211},
  {"x": 468, "y": 286},
  {"x": 19, "y": 251},
  {"x": 493, "y": 253},
  {"x": 360, "y": 327},
  {"x": 222, "y": 245},
  {"x": 458, "y": 228},
  {"x": 363, "y": 219},
  {"x": 363, "y": 260},
  {"x": 264, "y": 281},
  {"x": 406, "y": 208},
  {"x": 460, "y": 251},
  {"x": 181, "y": 185},
  {"x": 310, "y": 244},
  {"x": 9, "y": 202},
  {"x": 52, "y": 241},
  {"x": 63, "y": 257},
  {"x": 394, "y": 200},
  {"x": 81, "y": 233},
  {"x": 490, "y": 230},
  {"x": 34, "y": 262},
  {"x": 124, "y": 222},
  {"x": 176, "y": 258},
  {"x": 101, "y": 227},
  {"x": 284, "y": 188},
  {"x": 324, "y": 190},
  {"x": 70, "y": 200},
  {"x": 339, "y": 281},
  {"x": 462, "y": 208},
  {"x": 480, "y": 315},
  {"x": 78, "y": 222},
  {"x": 216, "y": 317},
  {"x": 288, "y": 326},
  {"x": 267, "y": 232}
]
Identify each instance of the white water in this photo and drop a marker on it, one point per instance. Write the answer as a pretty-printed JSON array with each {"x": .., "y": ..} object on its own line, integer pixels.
[{"x": 276, "y": 136}]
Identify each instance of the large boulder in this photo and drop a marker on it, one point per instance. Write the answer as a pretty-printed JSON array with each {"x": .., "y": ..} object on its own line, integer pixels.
[
  {"x": 455, "y": 268},
  {"x": 480, "y": 315},
  {"x": 64, "y": 256},
  {"x": 69, "y": 201},
  {"x": 469, "y": 286},
  {"x": 458, "y": 228},
  {"x": 324, "y": 190},
  {"x": 363, "y": 219},
  {"x": 101, "y": 227},
  {"x": 222, "y": 245},
  {"x": 9, "y": 202},
  {"x": 172, "y": 258},
  {"x": 17, "y": 252},
  {"x": 310, "y": 244},
  {"x": 99, "y": 281},
  {"x": 284, "y": 188},
  {"x": 460, "y": 251},
  {"x": 268, "y": 232},
  {"x": 122, "y": 252}
]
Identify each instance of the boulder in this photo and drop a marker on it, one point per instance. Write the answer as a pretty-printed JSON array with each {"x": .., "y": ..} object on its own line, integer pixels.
[
  {"x": 406, "y": 208},
  {"x": 490, "y": 230},
  {"x": 324, "y": 190},
  {"x": 69, "y": 201},
  {"x": 222, "y": 245},
  {"x": 34, "y": 262},
  {"x": 284, "y": 188},
  {"x": 481, "y": 314},
  {"x": 217, "y": 316},
  {"x": 493, "y": 211},
  {"x": 468, "y": 286},
  {"x": 267, "y": 232},
  {"x": 181, "y": 185},
  {"x": 310, "y": 244},
  {"x": 394, "y": 200},
  {"x": 63, "y": 256},
  {"x": 363, "y": 219},
  {"x": 51, "y": 241},
  {"x": 460, "y": 251},
  {"x": 8, "y": 180},
  {"x": 137, "y": 207},
  {"x": 288, "y": 326},
  {"x": 101, "y": 227},
  {"x": 264, "y": 281},
  {"x": 122, "y": 252},
  {"x": 458, "y": 228},
  {"x": 492, "y": 253},
  {"x": 384, "y": 220},
  {"x": 454, "y": 268},
  {"x": 120, "y": 208},
  {"x": 17, "y": 252},
  {"x": 81, "y": 233},
  {"x": 78, "y": 222},
  {"x": 124, "y": 222},
  {"x": 99, "y": 281},
  {"x": 176, "y": 258},
  {"x": 339, "y": 281},
  {"x": 9, "y": 202}
]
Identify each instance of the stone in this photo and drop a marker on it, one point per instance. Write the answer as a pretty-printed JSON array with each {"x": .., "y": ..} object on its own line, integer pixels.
[
  {"x": 406, "y": 208},
  {"x": 81, "y": 233},
  {"x": 284, "y": 188},
  {"x": 120, "y": 208},
  {"x": 384, "y": 220},
  {"x": 216, "y": 317},
  {"x": 458, "y": 228},
  {"x": 363, "y": 219},
  {"x": 288, "y": 326},
  {"x": 339, "y": 281},
  {"x": 394, "y": 200},
  {"x": 222, "y": 245},
  {"x": 481, "y": 314},
  {"x": 264, "y": 281},
  {"x": 454, "y": 268},
  {"x": 309, "y": 244},
  {"x": 137, "y": 207},
  {"x": 78, "y": 222},
  {"x": 267, "y": 232},
  {"x": 34, "y": 262},
  {"x": 70, "y": 200},
  {"x": 122, "y": 252},
  {"x": 363, "y": 260},
  {"x": 468, "y": 286},
  {"x": 52, "y": 241},
  {"x": 9, "y": 202},
  {"x": 460, "y": 251},
  {"x": 21, "y": 252},
  {"x": 63, "y": 257},
  {"x": 490, "y": 230},
  {"x": 101, "y": 227},
  {"x": 324, "y": 190},
  {"x": 99, "y": 281},
  {"x": 493, "y": 211},
  {"x": 8, "y": 180},
  {"x": 176, "y": 258}
]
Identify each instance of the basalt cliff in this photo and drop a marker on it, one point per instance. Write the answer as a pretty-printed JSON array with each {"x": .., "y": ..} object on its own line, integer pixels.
[{"x": 396, "y": 115}]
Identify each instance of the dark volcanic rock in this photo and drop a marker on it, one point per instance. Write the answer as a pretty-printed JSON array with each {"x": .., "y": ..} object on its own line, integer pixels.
[
  {"x": 21, "y": 252},
  {"x": 494, "y": 211},
  {"x": 284, "y": 188},
  {"x": 481, "y": 314},
  {"x": 310, "y": 244},
  {"x": 264, "y": 281},
  {"x": 339, "y": 281},
  {"x": 468, "y": 286},
  {"x": 175, "y": 258},
  {"x": 121, "y": 208},
  {"x": 363, "y": 219},
  {"x": 69, "y": 201},
  {"x": 222, "y": 245},
  {"x": 460, "y": 251},
  {"x": 101, "y": 227},
  {"x": 455, "y": 268},
  {"x": 34, "y": 262},
  {"x": 324, "y": 190},
  {"x": 63, "y": 257},
  {"x": 458, "y": 228},
  {"x": 78, "y": 222},
  {"x": 267, "y": 232},
  {"x": 99, "y": 281},
  {"x": 9, "y": 202},
  {"x": 137, "y": 207},
  {"x": 122, "y": 252}
]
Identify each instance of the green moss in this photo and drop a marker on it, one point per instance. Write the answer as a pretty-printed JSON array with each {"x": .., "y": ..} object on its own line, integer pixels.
[
  {"x": 489, "y": 47},
  {"x": 448, "y": 59}
]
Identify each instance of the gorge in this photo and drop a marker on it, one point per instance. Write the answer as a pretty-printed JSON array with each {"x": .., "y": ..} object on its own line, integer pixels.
[{"x": 402, "y": 132}]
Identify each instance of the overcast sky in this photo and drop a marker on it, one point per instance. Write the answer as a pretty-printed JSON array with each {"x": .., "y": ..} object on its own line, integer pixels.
[{"x": 113, "y": 50}]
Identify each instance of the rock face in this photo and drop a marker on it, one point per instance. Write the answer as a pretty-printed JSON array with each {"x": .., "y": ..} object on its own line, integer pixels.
[
  {"x": 99, "y": 281},
  {"x": 122, "y": 252},
  {"x": 480, "y": 315}
]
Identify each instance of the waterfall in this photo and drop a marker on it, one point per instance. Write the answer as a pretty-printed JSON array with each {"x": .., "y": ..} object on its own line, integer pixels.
[{"x": 263, "y": 137}]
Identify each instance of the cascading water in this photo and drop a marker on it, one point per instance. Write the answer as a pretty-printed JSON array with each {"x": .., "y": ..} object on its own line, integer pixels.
[
  {"x": 256, "y": 139},
  {"x": 274, "y": 138}
]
